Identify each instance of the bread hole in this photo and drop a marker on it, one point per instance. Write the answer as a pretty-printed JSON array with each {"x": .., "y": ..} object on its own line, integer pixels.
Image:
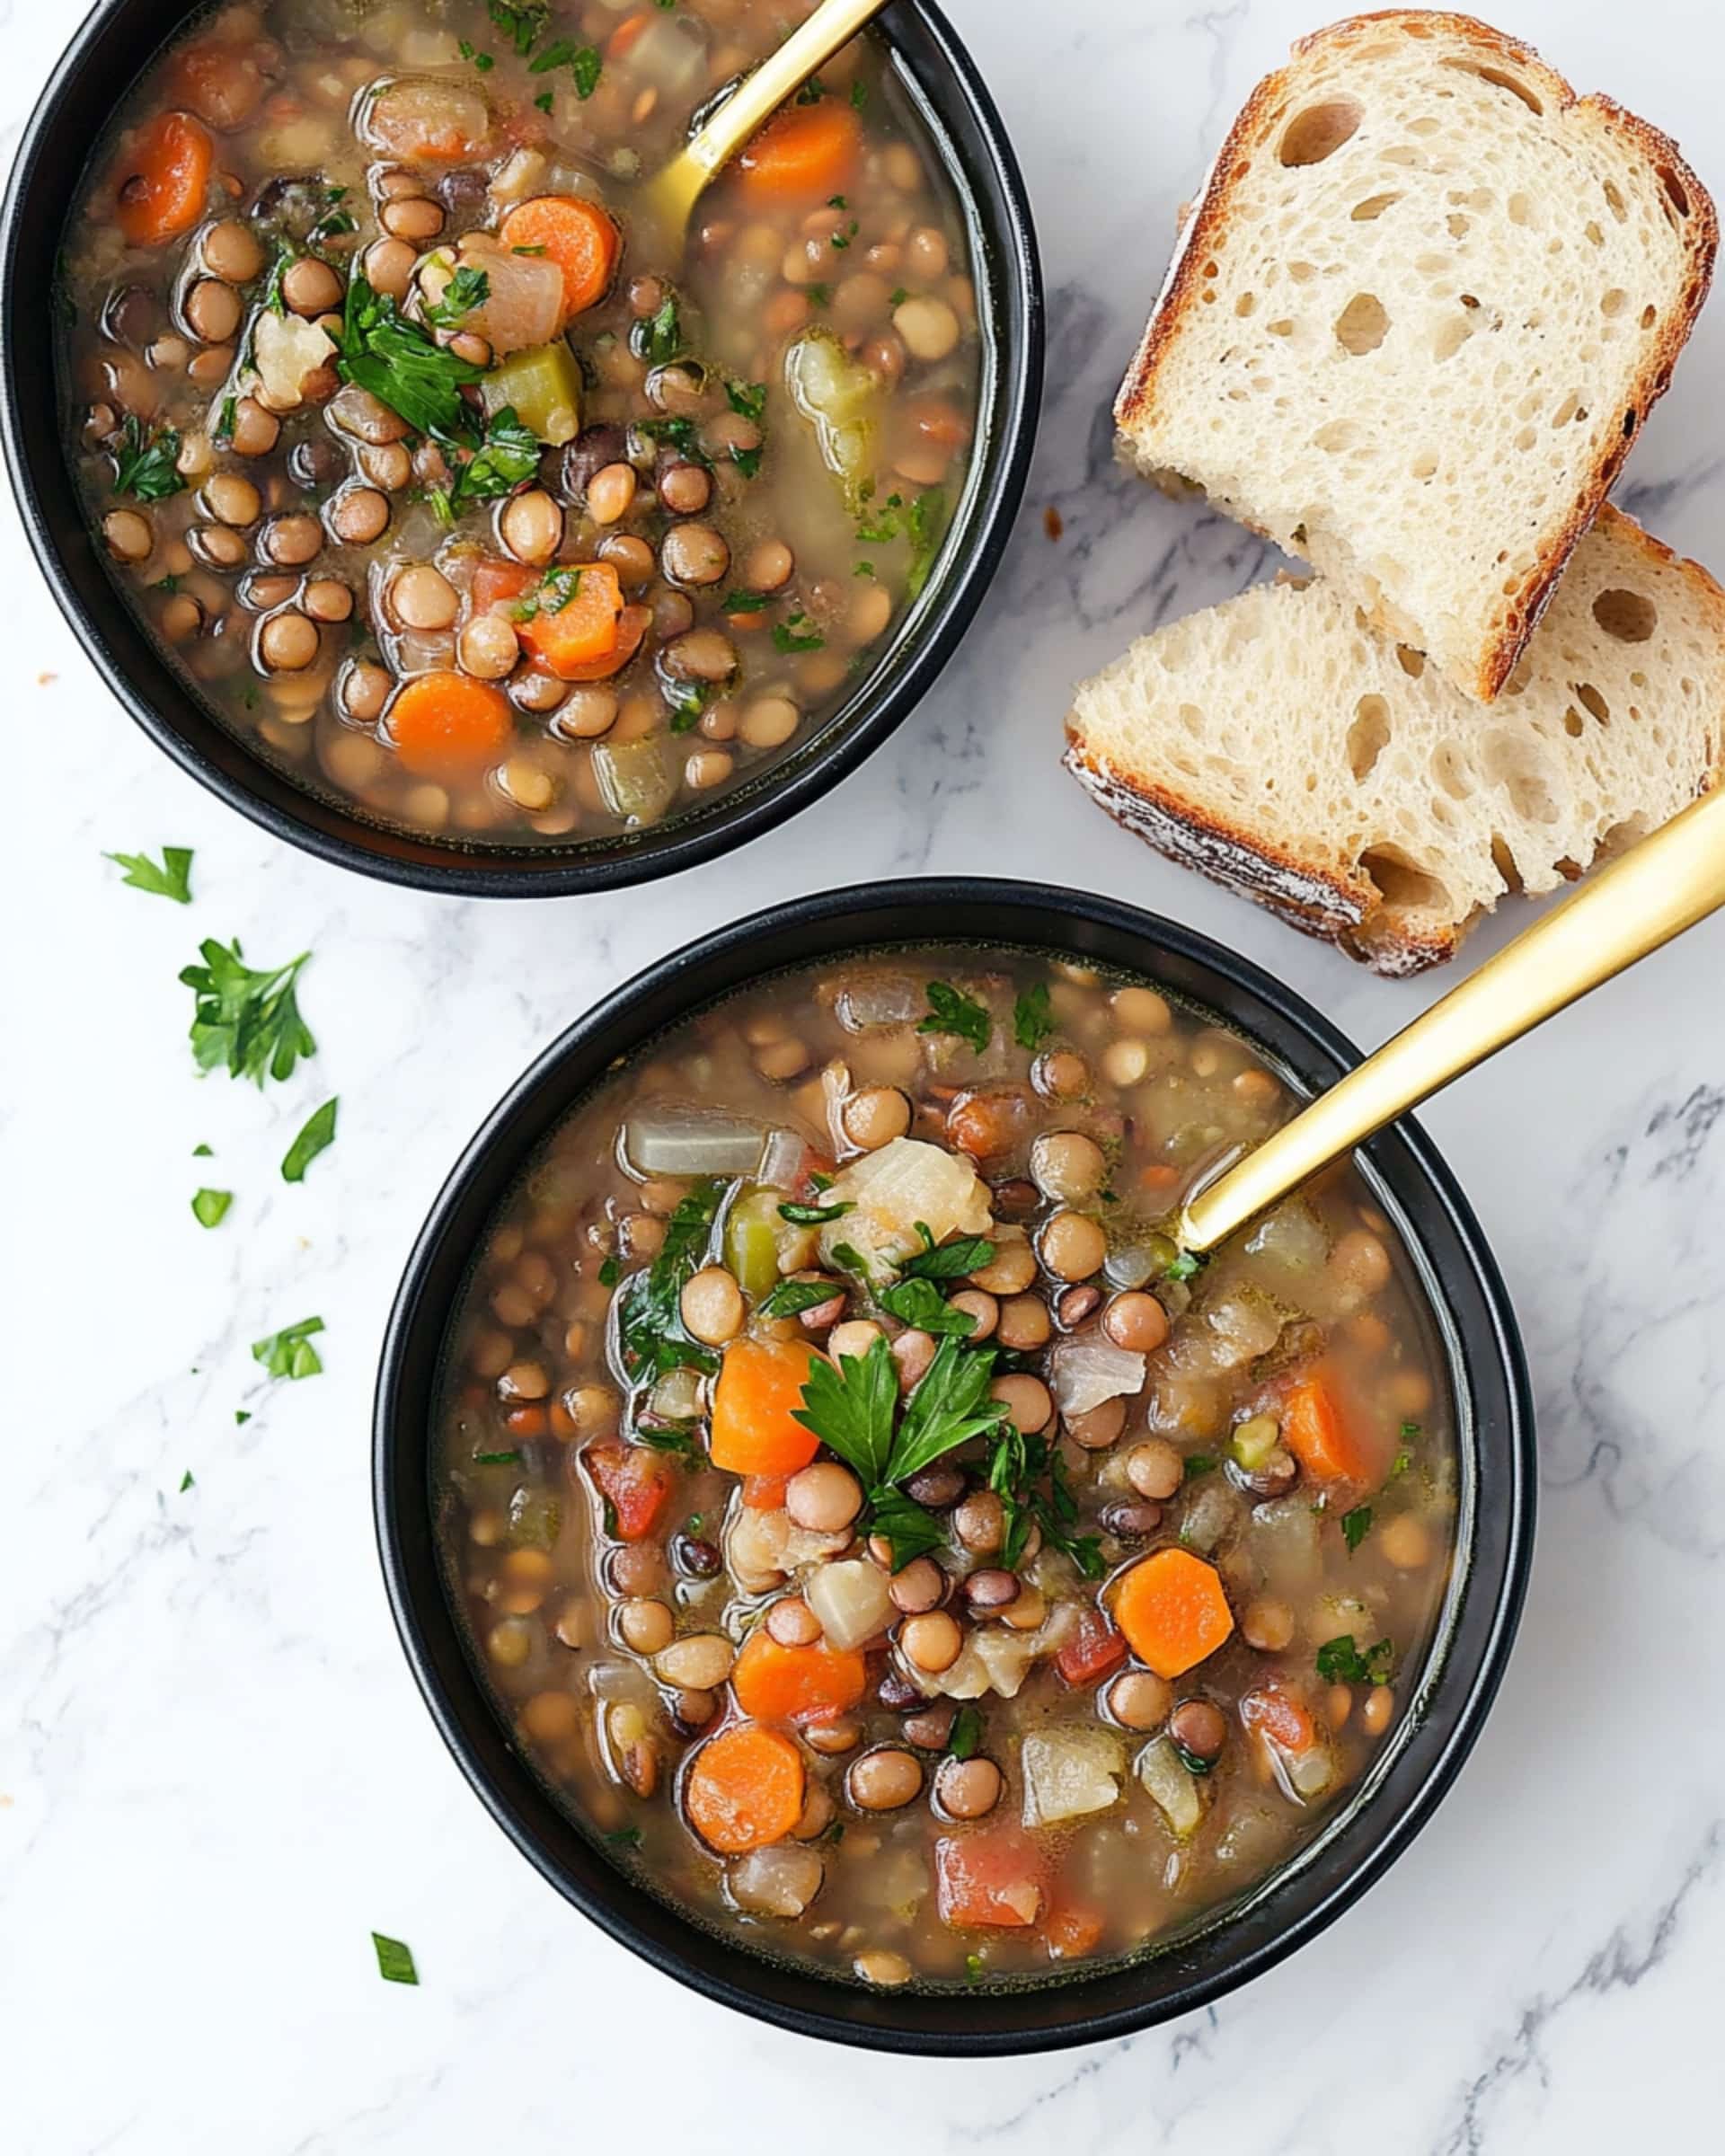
[
  {"x": 1594, "y": 233},
  {"x": 1458, "y": 225},
  {"x": 1676, "y": 193},
  {"x": 1504, "y": 862},
  {"x": 1566, "y": 410},
  {"x": 1338, "y": 435},
  {"x": 1373, "y": 208},
  {"x": 1621, "y": 836},
  {"x": 1283, "y": 328},
  {"x": 1500, "y": 78},
  {"x": 1402, "y": 153},
  {"x": 1614, "y": 301},
  {"x": 1432, "y": 265},
  {"x": 1594, "y": 701},
  {"x": 1520, "y": 208},
  {"x": 1424, "y": 466},
  {"x": 1452, "y": 333},
  {"x": 1512, "y": 761},
  {"x": 1574, "y": 725},
  {"x": 1650, "y": 315},
  {"x": 1302, "y": 272},
  {"x": 1411, "y": 662},
  {"x": 1425, "y": 126},
  {"x": 1526, "y": 438},
  {"x": 1520, "y": 676},
  {"x": 1619, "y": 207},
  {"x": 1369, "y": 735},
  {"x": 1319, "y": 131},
  {"x": 1627, "y": 615},
  {"x": 1401, "y": 882},
  {"x": 1245, "y": 303},
  {"x": 1362, "y": 324},
  {"x": 1192, "y": 718},
  {"x": 1450, "y": 766}
]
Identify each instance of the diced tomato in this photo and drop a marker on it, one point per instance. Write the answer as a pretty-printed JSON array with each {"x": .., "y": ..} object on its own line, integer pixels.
[
  {"x": 995, "y": 1876},
  {"x": 1279, "y": 1719},
  {"x": 635, "y": 1481},
  {"x": 1072, "y": 1931},
  {"x": 1095, "y": 1650}
]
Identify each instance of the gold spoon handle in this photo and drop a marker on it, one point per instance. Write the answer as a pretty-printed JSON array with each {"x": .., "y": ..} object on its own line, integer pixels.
[
  {"x": 778, "y": 77},
  {"x": 1664, "y": 884}
]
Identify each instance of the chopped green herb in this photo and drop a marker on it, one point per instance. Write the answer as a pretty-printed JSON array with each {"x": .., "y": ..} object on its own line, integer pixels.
[
  {"x": 951, "y": 1011},
  {"x": 671, "y": 1438},
  {"x": 583, "y": 61},
  {"x": 172, "y": 880},
  {"x": 209, "y": 1207},
  {"x": 289, "y": 1352},
  {"x": 248, "y": 1021},
  {"x": 966, "y": 1733},
  {"x": 1341, "y": 1661},
  {"x": 420, "y": 382},
  {"x": 319, "y": 1131},
  {"x": 333, "y": 222},
  {"x": 859, "y": 94},
  {"x": 1184, "y": 1265},
  {"x": 908, "y": 1531},
  {"x": 748, "y": 461},
  {"x": 746, "y": 602},
  {"x": 1400, "y": 1465},
  {"x": 797, "y": 634},
  {"x": 1201, "y": 1464},
  {"x": 610, "y": 1273},
  {"x": 510, "y": 454},
  {"x": 838, "y": 202},
  {"x": 841, "y": 240},
  {"x": 546, "y": 99},
  {"x": 814, "y": 1217},
  {"x": 282, "y": 261},
  {"x": 790, "y": 1298},
  {"x": 919, "y": 1303},
  {"x": 225, "y": 422},
  {"x": 522, "y": 22},
  {"x": 242, "y": 1416},
  {"x": 1194, "y": 1763},
  {"x": 495, "y": 1458},
  {"x": 812, "y": 92},
  {"x": 203, "y": 1152},
  {"x": 679, "y": 433},
  {"x": 467, "y": 289},
  {"x": 147, "y": 463},
  {"x": 926, "y": 523},
  {"x": 660, "y": 337},
  {"x": 185, "y": 1480},
  {"x": 747, "y": 399},
  {"x": 624, "y": 1837},
  {"x": 899, "y": 297},
  {"x": 688, "y": 700},
  {"x": 950, "y": 1406},
  {"x": 863, "y": 568},
  {"x": 653, "y": 1337},
  {"x": 1410, "y": 1430},
  {"x": 1032, "y": 1022},
  {"x": 550, "y": 595},
  {"x": 818, "y": 296},
  {"x": 1356, "y": 1525},
  {"x": 395, "y": 1960},
  {"x": 947, "y": 1260}
]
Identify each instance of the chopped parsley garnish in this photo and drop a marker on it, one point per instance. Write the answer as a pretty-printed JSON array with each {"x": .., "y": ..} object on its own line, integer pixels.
[
  {"x": 1356, "y": 1525},
  {"x": 747, "y": 602},
  {"x": 899, "y": 297},
  {"x": 792, "y": 1298},
  {"x": 1201, "y": 1464},
  {"x": 947, "y": 1260},
  {"x": 951, "y": 1011},
  {"x": 495, "y": 1458},
  {"x": 966, "y": 1733},
  {"x": 863, "y": 568},
  {"x": 318, "y": 1132},
  {"x": 919, "y": 1303},
  {"x": 688, "y": 700},
  {"x": 797, "y": 632},
  {"x": 841, "y": 240},
  {"x": 679, "y": 433},
  {"x": 147, "y": 463},
  {"x": 583, "y": 61},
  {"x": 242, "y": 1416},
  {"x": 624, "y": 1837},
  {"x": 546, "y": 99},
  {"x": 1032, "y": 1022},
  {"x": 1341, "y": 1661},
  {"x": 283, "y": 260},
  {"x": 747, "y": 399},
  {"x": 652, "y": 1332},
  {"x": 466, "y": 290},
  {"x": 420, "y": 382},
  {"x": 333, "y": 222},
  {"x": 483, "y": 61},
  {"x": 522, "y": 24},
  {"x": 926, "y": 523},
  {"x": 209, "y": 1207},
  {"x": 818, "y": 296},
  {"x": 550, "y": 595},
  {"x": 1021, "y": 1463},
  {"x": 289, "y": 1352},
  {"x": 670, "y": 1437},
  {"x": 610, "y": 1273},
  {"x": 748, "y": 461},
  {"x": 510, "y": 454},
  {"x": 172, "y": 880},
  {"x": 814, "y": 1217},
  {"x": 660, "y": 337},
  {"x": 248, "y": 1021},
  {"x": 812, "y": 92},
  {"x": 1184, "y": 1265},
  {"x": 203, "y": 1152},
  {"x": 395, "y": 1960},
  {"x": 185, "y": 1481},
  {"x": 858, "y": 95},
  {"x": 1194, "y": 1763},
  {"x": 225, "y": 422}
]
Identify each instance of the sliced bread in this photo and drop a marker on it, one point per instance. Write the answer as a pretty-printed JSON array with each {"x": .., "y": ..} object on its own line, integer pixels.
[
  {"x": 1284, "y": 747},
  {"x": 1416, "y": 320}
]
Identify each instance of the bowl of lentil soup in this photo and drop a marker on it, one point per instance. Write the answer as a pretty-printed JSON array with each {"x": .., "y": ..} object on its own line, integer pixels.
[
  {"x": 643, "y": 556},
  {"x": 851, "y": 1554}
]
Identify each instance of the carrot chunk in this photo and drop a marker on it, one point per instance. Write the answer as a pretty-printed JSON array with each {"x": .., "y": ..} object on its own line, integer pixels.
[
  {"x": 632, "y": 625},
  {"x": 1094, "y": 1649},
  {"x": 635, "y": 1482},
  {"x": 1173, "y": 1611},
  {"x": 1279, "y": 1719},
  {"x": 754, "y": 1403},
  {"x": 776, "y": 1684},
  {"x": 995, "y": 1876},
  {"x": 577, "y": 235},
  {"x": 764, "y": 1493},
  {"x": 1324, "y": 1436},
  {"x": 744, "y": 1788},
  {"x": 162, "y": 190},
  {"x": 497, "y": 582},
  {"x": 448, "y": 725},
  {"x": 1071, "y": 1931},
  {"x": 803, "y": 153},
  {"x": 572, "y": 619}
]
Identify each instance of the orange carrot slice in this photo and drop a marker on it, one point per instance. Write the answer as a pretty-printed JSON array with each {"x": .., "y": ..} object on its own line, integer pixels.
[
  {"x": 755, "y": 1404},
  {"x": 776, "y": 1684},
  {"x": 803, "y": 153},
  {"x": 1173, "y": 1611},
  {"x": 632, "y": 625},
  {"x": 744, "y": 1788},
  {"x": 448, "y": 725},
  {"x": 576, "y": 235},
  {"x": 1322, "y": 1435},
  {"x": 163, "y": 188},
  {"x": 572, "y": 619}
]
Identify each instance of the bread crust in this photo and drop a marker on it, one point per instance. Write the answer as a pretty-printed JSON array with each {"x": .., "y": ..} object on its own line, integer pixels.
[{"x": 1518, "y": 614}]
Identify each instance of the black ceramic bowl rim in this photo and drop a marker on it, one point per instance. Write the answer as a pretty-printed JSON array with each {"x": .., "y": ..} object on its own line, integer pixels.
[
  {"x": 1478, "y": 1338},
  {"x": 102, "y": 60}
]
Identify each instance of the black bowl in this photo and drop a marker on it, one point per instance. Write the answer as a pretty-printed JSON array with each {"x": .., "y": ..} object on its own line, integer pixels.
[
  {"x": 1476, "y": 1337},
  {"x": 100, "y": 65}
]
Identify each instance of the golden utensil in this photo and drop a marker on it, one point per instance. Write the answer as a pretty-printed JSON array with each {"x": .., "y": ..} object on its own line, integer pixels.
[
  {"x": 667, "y": 198},
  {"x": 1664, "y": 884}
]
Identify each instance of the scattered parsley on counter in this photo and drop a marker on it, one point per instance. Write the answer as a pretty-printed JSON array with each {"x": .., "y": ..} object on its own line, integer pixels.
[
  {"x": 172, "y": 880},
  {"x": 248, "y": 1021},
  {"x": 395, "y": 1960},
  {"x": 210, "y": 1208},
  {"x": 318, "y": 1133},
  {"x": 289, "y": 1352}
]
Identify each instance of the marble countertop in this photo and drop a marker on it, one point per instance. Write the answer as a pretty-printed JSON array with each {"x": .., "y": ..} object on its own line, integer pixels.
[{"x": 216, "y": 1775}]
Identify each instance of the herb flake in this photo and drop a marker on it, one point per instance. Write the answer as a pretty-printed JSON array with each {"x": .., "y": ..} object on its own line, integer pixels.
[{"x": 172, "y": 880}]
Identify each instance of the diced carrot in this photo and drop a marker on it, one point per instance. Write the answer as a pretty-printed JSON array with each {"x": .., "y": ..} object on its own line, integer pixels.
[
  {"x": 1159, "y": 1180},
  {"x": 802, "y": 154},
  {"x": 744, "y": 1788},
  {"x": 1071, "y": 1931},
  {"x": 764, "y": 1493},
  {"x": 562, "y": 1423},
  {"x": 496, "y": 581},
  {"x": 995, "y": 1876},
  {"x": 632, "y": 625},
  {"x": 1173, "y": 1611},
  {"x": 1326, "y": 1439},
  {"x": 1095, "y": 1650},
  {"x": 626, "y": 36},
  {"x": 755, "y": 1404},
  {"x": 776, "y": 1684},
  {"x": 448, "y": 725},
  {"x": 163, "y": 186},
  {"x": 573, "y": 622},
  {"x": 576, "y": 235},
  {"x": 527, "y": 1420},
  {"x": 635, "y": 1482},
  {"x": 1279, "y": 1719}
]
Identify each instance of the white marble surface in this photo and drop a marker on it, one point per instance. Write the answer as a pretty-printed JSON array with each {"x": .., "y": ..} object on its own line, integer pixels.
[{"x": 216, "y": 1775}]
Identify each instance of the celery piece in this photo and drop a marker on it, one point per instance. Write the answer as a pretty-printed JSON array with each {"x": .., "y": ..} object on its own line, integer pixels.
[
  {"x": 752, "y": 1243},
  {"x": 1255, "y": 1440},
  {"x": 636, "y": 778},
  {"x": 544, "y": 388},
  {"x": 841, "y": 400}
]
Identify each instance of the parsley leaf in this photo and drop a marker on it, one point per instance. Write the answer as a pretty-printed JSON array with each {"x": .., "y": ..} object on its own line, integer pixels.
[
  {"x": 420, "y": 382},
  {"x": 395, "y": 1960},
  {"x": 814, "y": 1216},
  {"x": 1341, "y": 1661},
  {"x": 951, "y": 1260},
  {"x": 510, "y": 454},
  {"x": 495, "y": 1458},
  {"x": 147, "y": 463},
  {"x": 660, "y": 337},
  {"x": 650, "y": 1328},
  {"x": 966, "y": 1733},
  {"x": 791, "y": 1298},
  {"x": 318, "y": 1132},
  {"x": 522, "y": 22},
  {"x": 1185, "y": 1265},
  {"x": 909, "y": 1530},
  {"x": 849, "y": 1409},
  {"x": 950, "y": 1406},
  {"x": 797, "y": 634},
  {"x": 1356, "y": 1525},
  {"x": 1199, "y": 1464},
  {"x": 858, "y": 95},
  {"x": 185, "y": 1480},
  {"x": 467, "y": 289},
  {"x": 209, "y": 1207},
  {"x": 249, "y": 1022},
  {"x": 172, "y": 880},
  {"x": 583, "y": 61},
  {"x": 926, "y": 524},
  {"x": 951, "y": 1011},
  {"x": 289, "y": 1352},
  {"x": 747, "y": 399},
  {"x": 1032, "y": 1022},
  {"x": 747, "y": 602},
  {"x": 919, "y": 1303}
]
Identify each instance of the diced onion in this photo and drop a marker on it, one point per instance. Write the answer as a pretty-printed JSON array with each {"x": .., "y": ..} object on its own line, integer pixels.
[
  {"x": 676, "y": 1140},
  {"x": 880, "y": 999},
  {"x": 1083, "y": 1374},
  {"x": 905, "y": 1183},
  {"x": 782, "y": 1161},
  {"x": 850, "y": 1600},
  {"x": 1171, "y": 1785},
  {"x": 781, "y": 1881},
  {"x": 1069, "y": 1773}
]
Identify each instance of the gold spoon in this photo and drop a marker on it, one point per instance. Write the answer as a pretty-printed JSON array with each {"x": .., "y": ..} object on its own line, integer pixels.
[
  {"x": 668, "y": 197},
  {"x": 1664, "y": 884}
]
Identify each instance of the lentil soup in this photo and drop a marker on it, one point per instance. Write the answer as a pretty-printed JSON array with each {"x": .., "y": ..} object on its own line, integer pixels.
[
  {"x": 877, "y": 1533},
  {"x": 448, "y": 493}
]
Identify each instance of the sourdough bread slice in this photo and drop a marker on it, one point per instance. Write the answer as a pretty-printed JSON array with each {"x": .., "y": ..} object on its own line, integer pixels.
[
  {"x": 1284, "y": 747},
  {"x": 1416, "y": 320}
]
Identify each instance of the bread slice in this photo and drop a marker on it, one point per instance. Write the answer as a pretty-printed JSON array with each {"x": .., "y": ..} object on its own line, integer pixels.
[
  {"x": 1416, "y": 320},
  {"x": 1284, "y": 747}
]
